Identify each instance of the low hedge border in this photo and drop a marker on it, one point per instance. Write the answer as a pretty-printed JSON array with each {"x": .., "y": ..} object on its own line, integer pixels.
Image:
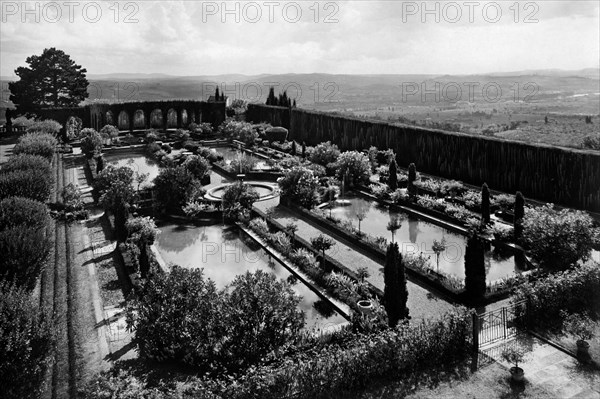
[
  {"x": 292, "y": 269},
  {"x": 416, "y": 276},
  {"x": 332, "y": 263}
]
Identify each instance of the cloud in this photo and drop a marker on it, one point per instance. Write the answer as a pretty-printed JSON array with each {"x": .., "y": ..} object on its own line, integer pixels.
[{"x": 368, "y": 37}]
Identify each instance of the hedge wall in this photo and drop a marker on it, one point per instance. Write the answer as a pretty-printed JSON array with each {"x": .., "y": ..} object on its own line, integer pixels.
[{"x": 563, "y": 176}]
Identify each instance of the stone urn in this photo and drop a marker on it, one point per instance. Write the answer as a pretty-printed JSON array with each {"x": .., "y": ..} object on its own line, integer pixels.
[
  {"x": 365, "y": 306},
  {"x": 517, "y": 374},
  {"x": 583, "y": 348}
]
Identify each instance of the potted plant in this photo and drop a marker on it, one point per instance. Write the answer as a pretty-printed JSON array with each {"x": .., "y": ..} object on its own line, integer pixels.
[
  {"x": 365, "y": 306},
  {"x": 515, "y": 355},
  {"x": 582, "y": 327}
]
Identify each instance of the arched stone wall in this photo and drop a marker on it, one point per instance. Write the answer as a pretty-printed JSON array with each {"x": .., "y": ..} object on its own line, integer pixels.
[{"x": 96, "y": 115}]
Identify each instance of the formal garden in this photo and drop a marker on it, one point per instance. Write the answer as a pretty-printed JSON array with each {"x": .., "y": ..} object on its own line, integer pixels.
[{"x": 227, "y": 302}]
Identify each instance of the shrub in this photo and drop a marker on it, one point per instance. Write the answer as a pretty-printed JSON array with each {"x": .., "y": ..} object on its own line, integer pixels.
[
  {"x": 504, "y": 201},
  {"x": 91, "y": 142},
  {"x": 574, "y": 291},
  {"x": 16, "y": 211},
  {"x": 557, "y": 239},
  {"x": 452, "y": 187},
  {"x": 112, "y": 175},
  {"x": 300, "y": 186},
  {"x": 591, "y": 142},
  {"x": 22, "y": 121},
  {"x": 25, "y": 183},
  {"x": 380, "y": 191},
  {"x": 238, "y": 199},
  {"x": 197, "y": 166},
  {"x": 263, "y": 316},
  {"x": 110, "y": 132},
  {"x": 37, "y": 163},
  {"x": 48, "y": 126},
  {"x": 42, "y": 144},
  {"x": 71, "y": 198},
  {"x": 354, "y": 166},
  {"x": 178, "y": 317},
  {"x": 243, "y": 164},
  {"x": 151, "y": 136},
  {"x": 579, "y": 325},
  {"x": 26, "y": 342},
  {"x": 325, "y": 153},
  {"x": 173, "y": 187},
  {"x": 24, "y": 253},
  {"x": 259, "y": 226},
  {"x": 182, "y": 317}
]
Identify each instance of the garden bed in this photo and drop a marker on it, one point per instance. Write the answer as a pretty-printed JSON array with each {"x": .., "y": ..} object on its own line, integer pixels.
[{"x": 445, "y": 285}]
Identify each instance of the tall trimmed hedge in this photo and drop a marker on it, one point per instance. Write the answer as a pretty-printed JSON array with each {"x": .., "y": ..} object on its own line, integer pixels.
[
  {"x": 26, "y": 342},
  {"x": 42, "y": 144},
  {"x": 28, "y": 162},
  {"x": 24, "y": 252},
  {"x": 575, "y": 291},
  {"x": 565, "y": 176},
  {"x": 25, "y": 183},
  {"x": 15, "y": 211}
]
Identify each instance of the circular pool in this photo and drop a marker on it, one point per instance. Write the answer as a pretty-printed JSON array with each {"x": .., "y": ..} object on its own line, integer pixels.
[{"x": 264, "y": 191}]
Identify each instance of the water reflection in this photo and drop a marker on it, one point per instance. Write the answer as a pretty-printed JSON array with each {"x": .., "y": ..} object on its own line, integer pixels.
[
  {"x": 417, "y": 236},
  {"x": 224, "y": 253}
]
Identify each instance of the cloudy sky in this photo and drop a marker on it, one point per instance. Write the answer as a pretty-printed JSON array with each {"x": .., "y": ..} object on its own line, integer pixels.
[{"x": 356, "y": 37}]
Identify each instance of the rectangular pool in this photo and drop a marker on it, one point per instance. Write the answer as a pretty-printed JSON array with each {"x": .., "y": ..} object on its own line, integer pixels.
[
  {"x": 417, "y": 236},
  {"x": 225, "y": 252}
]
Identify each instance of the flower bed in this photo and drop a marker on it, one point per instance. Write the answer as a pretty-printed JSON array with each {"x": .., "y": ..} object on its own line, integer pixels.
[
  {"x": 341, "y": 285},
  {"x": 418, "y": 267}
]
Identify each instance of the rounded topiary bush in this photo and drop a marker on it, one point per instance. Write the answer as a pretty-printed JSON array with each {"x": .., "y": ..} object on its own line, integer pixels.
[
  {"x": 25, "y": 183},
  {"x": 16, "y": 211},
  {"x": 28, "y": 162},
  {"x": 24, "y": 253},
  {"x": 36, "y": 144},
  {"x": 26, "y": 341}
]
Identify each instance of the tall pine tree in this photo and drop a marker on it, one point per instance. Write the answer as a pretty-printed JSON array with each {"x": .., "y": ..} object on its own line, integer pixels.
[
  {"x": 395, "y": 295},
  {"x": 51, "y": 80}
]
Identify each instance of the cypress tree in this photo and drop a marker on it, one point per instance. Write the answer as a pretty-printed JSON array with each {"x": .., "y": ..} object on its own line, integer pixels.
[
  {"x": 475, "y": 268},
  {"x": 412, "y": 176},
  {"x": 293, "y": 151},
  {"x": 271, "y": 100},
  {"x": 303, "y": 149},
  {"x": 519, "y": 212},
  {"x": 395, "y": 293},
  {"x": 393, "y": 181},
  {"x": 217, "y": 95},
  {"x": 485, "y": 203}
]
